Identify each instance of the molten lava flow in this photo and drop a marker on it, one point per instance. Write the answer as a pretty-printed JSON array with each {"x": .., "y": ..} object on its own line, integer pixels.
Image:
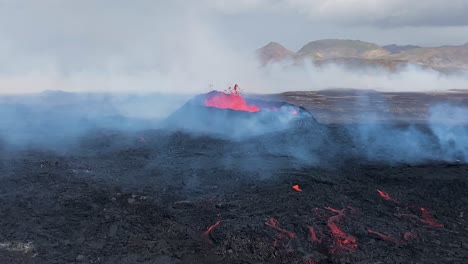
[
  {"x": 207, "y": 232},
  {"x": 297, "y": 188},
  {"x": 339, "y": 212},
  {"x": 342, "y": 240},
  {"x": 233, "y": 101},
  {"x": 428, "y": 219},
  {"x": 318, "y": 213},
  {"x": 353, "y": 210},
  {"x": 384, "y": 237},
  {"x": 313, "y": 235},
  {"x": 272, "y": 222},
  {"x": 386, "y": 196},
  {"x": 275, "y": 243},
  {"x": 409, "y": 236},
  {"x": 409, "y": 216}
]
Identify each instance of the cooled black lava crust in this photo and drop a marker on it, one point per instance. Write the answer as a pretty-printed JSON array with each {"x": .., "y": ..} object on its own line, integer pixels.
[{"x": 148, "y": 197}]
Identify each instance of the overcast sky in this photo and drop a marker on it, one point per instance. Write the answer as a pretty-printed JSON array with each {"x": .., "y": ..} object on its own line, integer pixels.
[
  {"x": 89, "y": 44},
  {"x": 296, "y": 22}
]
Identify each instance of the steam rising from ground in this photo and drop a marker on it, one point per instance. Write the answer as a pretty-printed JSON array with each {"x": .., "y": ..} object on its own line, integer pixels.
[
  {"x": 452, "y": 134},
  {"x": 445, "y": 139},
  {"x": 146, "y": 48},
  {"x": 59, "y": 121},
  {"x": 199, "y": 74}
]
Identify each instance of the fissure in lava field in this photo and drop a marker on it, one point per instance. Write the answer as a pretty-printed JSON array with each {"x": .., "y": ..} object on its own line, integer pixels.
[{"x": 165, "y": 196}]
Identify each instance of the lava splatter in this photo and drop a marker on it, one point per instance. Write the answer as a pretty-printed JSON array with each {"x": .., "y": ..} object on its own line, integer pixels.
[
  {"x": 354, "y": 210},
  {"x": 297, "y": 188},
  {"x": 339, "y": 212},
  {"x": 386, "y": 196},
  {"x": 341, "y": 239},
  {"x": 272, "y": 222},
  {"x": 426, "y": 217},
  {"x": 384, "y": 237},
  {"x": 409, "y": 236},
  {"x": 210, "y": 228},
  {"x": 313, "y": 235}
]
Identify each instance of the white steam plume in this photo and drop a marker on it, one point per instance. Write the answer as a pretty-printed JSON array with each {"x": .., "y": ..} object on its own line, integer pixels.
[{"x": 156, "y": 46}]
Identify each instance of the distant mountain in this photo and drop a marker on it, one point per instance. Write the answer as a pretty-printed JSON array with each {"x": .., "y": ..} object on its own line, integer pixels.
[
  {"x": 337, "y": 48},
  {"x": 357, "y": 54},
  {"x": 274, "y": 52},
  {"x": 440, "y": 57},
  {"x": 393, "y": 48}
]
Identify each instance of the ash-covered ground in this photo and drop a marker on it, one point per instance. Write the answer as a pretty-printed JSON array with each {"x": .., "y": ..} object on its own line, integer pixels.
[{"x": 307, "y": 194}]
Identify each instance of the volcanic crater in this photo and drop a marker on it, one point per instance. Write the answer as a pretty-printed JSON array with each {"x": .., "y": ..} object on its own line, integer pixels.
[{"x": 228, "y": 113}]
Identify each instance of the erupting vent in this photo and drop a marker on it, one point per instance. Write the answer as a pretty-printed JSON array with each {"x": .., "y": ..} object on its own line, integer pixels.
[
  {"x": 230, "y": 112},
  {"x": 231, "y": 100}
]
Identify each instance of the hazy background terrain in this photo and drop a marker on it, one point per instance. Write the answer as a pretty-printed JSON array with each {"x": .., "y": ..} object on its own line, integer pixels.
[
  {"x": 71, "y": 67},
  {"x": 181, "y": 47}
]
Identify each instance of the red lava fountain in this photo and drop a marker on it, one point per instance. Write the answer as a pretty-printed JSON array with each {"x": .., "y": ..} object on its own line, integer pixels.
[{"x": 233, "y": 101}]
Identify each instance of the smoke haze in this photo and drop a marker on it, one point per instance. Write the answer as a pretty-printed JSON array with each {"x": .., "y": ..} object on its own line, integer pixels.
[
  {"x": 128, "y": 55},
  {"x": 173, "y": 47}
]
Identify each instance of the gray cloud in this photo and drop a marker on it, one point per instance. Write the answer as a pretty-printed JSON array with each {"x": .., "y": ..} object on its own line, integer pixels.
[
  {"x": 388, "y": 13},
  {"x": 116, "y": 45},
  {"x": 183, "y": 46}
]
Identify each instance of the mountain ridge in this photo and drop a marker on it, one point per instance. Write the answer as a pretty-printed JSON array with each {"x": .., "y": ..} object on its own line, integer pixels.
[
  {"x": 446, "y": 59},
  {"x": 274, "y": 51}
]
